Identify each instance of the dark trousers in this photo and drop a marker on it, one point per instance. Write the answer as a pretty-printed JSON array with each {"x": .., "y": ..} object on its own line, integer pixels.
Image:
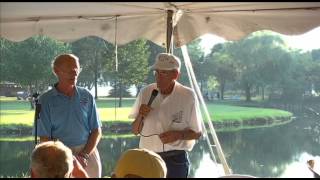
[{"x": 177, "y": 162}]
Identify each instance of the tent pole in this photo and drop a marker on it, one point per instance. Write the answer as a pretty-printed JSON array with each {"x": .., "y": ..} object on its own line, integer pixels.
[
  {"x": 169, "y": 31},
  {"x": 214, "y": 136}
]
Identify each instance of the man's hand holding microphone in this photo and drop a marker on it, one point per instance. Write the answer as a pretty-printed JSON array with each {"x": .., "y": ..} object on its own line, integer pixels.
[{"x": 144, "y": 110}]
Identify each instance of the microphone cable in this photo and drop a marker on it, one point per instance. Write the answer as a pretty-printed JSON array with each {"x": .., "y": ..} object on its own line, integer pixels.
[
  {"x": 140, "y": 133},
  {"x": 154, "y": 93}
]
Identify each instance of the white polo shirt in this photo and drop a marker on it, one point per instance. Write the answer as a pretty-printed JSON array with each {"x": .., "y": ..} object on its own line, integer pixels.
[{"x": 177, "y": 111}]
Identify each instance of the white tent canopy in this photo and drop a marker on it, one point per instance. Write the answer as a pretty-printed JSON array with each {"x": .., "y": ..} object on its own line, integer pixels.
[{"x": 232, "y": 21}]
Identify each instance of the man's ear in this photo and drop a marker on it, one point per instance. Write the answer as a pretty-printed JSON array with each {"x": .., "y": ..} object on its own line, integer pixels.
[
  {"x": 176, "y": 74},
  {"x": 55, "y": 70}
]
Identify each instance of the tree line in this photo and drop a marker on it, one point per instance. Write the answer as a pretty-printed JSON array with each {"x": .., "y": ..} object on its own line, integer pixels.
[{"x": 260, "y": 64}]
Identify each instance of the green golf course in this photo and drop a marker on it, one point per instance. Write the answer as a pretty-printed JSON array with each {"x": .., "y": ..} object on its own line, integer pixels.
[{"x": 17, "y": 114}]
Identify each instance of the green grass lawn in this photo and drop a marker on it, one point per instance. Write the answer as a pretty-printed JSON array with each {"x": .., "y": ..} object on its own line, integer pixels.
[
  {"x": 232, "y": 113},
  {"x": 14, "y": 112}
]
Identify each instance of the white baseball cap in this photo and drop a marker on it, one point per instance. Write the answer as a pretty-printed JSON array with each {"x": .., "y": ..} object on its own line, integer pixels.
[{"x": 165, "y": 61}]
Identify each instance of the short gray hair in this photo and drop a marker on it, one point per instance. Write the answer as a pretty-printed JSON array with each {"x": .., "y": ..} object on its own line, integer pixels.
[{"x": 52, "y": 159}]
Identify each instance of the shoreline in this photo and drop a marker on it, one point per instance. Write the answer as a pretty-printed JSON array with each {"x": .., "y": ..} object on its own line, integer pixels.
[{"x": 125, "y": 127}]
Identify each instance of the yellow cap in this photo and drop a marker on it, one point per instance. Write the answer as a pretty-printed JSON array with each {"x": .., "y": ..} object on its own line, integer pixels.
[{"x": 140, "y": 162}]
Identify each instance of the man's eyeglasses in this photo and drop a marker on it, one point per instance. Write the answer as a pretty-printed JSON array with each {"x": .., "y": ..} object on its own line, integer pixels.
[{"x": 162, "y": 73}]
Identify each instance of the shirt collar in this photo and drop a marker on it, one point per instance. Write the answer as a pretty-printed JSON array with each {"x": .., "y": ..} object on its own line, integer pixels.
[
  {"x": 56, "y": 92},
  {"x": 176, "y": 84}
]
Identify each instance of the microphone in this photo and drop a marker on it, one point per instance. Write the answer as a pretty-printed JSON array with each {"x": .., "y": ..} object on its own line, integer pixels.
[{"x": 153, "y": 96}]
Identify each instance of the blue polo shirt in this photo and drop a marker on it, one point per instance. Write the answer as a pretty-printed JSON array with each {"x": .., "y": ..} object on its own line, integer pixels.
[{"x": 68, "y": 119}]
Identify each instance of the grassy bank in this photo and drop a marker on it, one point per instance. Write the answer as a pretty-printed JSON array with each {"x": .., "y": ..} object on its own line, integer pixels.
[
  {"x": 23, "y": 138},
  {"x": 16, "y": 113},
  {"x": 222, "y": 113}
]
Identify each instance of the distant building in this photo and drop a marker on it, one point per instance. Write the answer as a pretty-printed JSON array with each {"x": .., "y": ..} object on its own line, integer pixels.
[{"x": 10, "y": 89}]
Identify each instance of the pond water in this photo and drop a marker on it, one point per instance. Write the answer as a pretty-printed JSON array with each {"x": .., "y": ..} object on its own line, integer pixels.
[{"x": 280, "y": 151}]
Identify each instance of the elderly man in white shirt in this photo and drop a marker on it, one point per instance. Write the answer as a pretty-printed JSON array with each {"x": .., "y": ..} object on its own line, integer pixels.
[{"x": 169, "y": 123}]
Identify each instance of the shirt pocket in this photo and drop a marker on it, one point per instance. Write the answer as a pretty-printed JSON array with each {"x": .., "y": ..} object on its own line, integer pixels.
[{"x": 177, "y": 121}]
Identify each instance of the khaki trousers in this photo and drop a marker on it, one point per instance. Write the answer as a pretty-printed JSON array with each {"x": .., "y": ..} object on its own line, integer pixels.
[{"x": 94, "y": 163}]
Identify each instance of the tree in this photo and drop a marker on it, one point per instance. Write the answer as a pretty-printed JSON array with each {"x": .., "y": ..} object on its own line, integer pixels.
[
  {"x": 314, "y": 70},
  {"x": 296, "y": 81},
  {"x": 250, "y": 53},
  {"x": 222, "y": 66},
  {"x": 315, "y": 53},
  {"x": 92, "y": 52},
  {"x": 197, "y": 59},
  {"x": 115, "y": 93},
  {"x": 273, "y": 69},
  {"x": 28, "y": 63},
  {"x": 132, "y": 66},
  {"x": 5, "y": 47}
]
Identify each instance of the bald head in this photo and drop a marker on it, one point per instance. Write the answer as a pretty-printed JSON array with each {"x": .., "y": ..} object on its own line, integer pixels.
[{"x": 63, "y": 60}]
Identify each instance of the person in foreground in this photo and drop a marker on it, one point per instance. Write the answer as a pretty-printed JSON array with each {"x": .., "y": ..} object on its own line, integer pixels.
[
  {"x": 140, "y": 163},
  {"x": 172, "y": 122},
  {"x": 69, "y": 114},
  {"x": 52, "y": 159}
]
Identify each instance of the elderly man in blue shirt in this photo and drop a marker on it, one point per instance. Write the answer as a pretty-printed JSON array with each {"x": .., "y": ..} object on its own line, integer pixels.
[{"x": 69, "y": 114}]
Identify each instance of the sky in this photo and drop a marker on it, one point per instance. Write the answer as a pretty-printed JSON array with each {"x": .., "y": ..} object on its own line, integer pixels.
[{"x": 307, "y": 41}]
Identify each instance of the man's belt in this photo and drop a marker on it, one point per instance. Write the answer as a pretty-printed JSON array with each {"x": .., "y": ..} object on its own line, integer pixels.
[{"x": 171, "y": 153}]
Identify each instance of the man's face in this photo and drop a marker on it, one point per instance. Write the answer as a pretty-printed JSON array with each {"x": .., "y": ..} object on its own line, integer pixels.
[
  {"x": 68, "y": 72},
  {"x": 164, "y": 78}
]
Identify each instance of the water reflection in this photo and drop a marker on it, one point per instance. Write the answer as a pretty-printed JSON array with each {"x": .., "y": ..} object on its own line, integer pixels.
[
  {"x": 15, "y": 158},
  {"x": 207, "y": 168},
  {"x": 298, "y": 168},
  {"x": 268, "y": 152},
  {"x": 279, "y": 151}
]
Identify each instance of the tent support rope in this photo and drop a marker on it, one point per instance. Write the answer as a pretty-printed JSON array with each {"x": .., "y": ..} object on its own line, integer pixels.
[{"x": 116, "y": 72}]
